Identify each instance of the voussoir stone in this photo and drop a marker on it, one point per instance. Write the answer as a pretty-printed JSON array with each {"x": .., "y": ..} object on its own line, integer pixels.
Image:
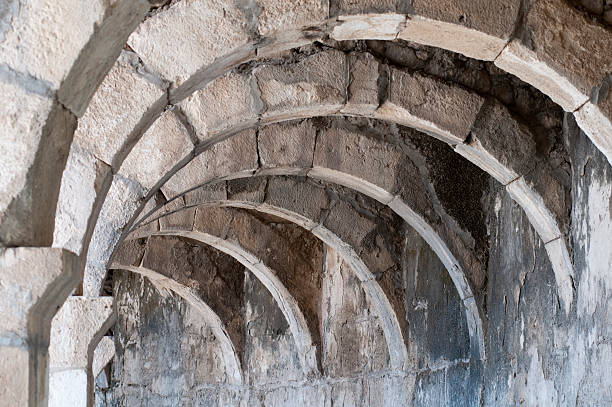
[
  {"x": 444, "y": 111},
  {"x": 45, "y": 38},
  {"x": 368, "y": 26},
  {"x": 280, "y": 15},
  {"x": 560, "y": 41},
  {"x": 22, "y": 117},
  {"x": 227, "y": 102},
  {"x": 286, "y": 145},
  {"x": 499, "y": 144},
  {"x": 158, "y": 150},
  {"x": 117, "y": 106},
  {"x": 190, "y": 35},
  {"x": 237, "y": 154},
  {"x": 313, "y": 86},
  {"x": 362, "y": 98},
  {"x": 472, "y": 27}
]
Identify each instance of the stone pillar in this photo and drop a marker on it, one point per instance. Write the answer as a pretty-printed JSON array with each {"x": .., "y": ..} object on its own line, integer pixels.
[
  {"x": 75, "y": 332},
  {"x": 34, "y": 282}
]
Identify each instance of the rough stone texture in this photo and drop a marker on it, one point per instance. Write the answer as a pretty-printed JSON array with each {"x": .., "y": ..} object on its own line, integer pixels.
[
  {"x": 282, "y": 15},
  {"x": 21, "y": 120},
  {"x": 376, "y": 26},
  {"x": 238, "y": 153},
  {"x": 364, "y": 77},
  {"x": 553, "y": 51},
  {"x": 228, "y": 102},
  {"x": 595, "y": 118},
  {"x": 82, "y": 182},
  {"x": 124, "y": 96},
  {"x": 289, "y": 145},
  {"x": 313, "y": 86},
  {"x": 103, "y": 354},
  {"x": 443, "y": 111},
  {"x": 190, "y": 35},
  {"x": 47, "y": 51},
  {"x": 160, "y": 148}
]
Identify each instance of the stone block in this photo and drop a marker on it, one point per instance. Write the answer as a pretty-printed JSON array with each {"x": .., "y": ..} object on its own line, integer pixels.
[
  {"x": 250, "y": 190},
  {"x": 158, "y": 150},
  {"x": 364, "y": 74},
  {"x": 125, "y": 96},
  {"x": 293, "y": 197},
  {"x": 22, "y": 118},
  {"x": 190, "y": 35},
  {"x": 82, "y": 181},
  {"x": 278, "y": 15},
  {"x": 225, "y": 104},
  {"x": 472, "y": 28},
  {"x": 103, "y": 354},
  {"x": 14, "y": 375},
  {"x": 215, "y": 221},
  {"x": 349, "y": 225},
  {"x": 211, "y": 192},
  {"x": 369, "y": 27},
  {"x": 287, "y": 146},
  {"x": 68, "y": 388},
  {"x": 350, "y": 159},
  {"x": 230, "y": 158},
  {"x": 44, "y": 38},
  {"x": 499, "y": 144},
  {"x": 553, "y": 56},
  {"x": 311, "y": 87},
  {"x": 443, "y": 111}
]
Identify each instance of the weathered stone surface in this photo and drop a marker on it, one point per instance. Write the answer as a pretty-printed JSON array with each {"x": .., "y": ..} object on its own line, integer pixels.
[
  {"x": 368, "y": 26},
  {"x": 499, "y": 144},
  {"x": 363, "y": 89},
  {"x": 82, "y": 181},
  {"x": 279, "y": 16},
  {"x": 190, "y": 35},
  {"x": 236, "y": 154},
  {"x": 309, "y": 202},
  {"x": 14, "y": 380},
  {"x": 313, "y": 86},
  {"x": 229, "y": 102},
  {"x": 444, "y": 111},
  {"x": 124, "y": 96},
  {"x": 286, "y": 145},
  {"x": 159, "y": 149},
  {"x": 553, "y": 55},
  {"x": 595, "y": 118},
  {"x": 33, "y": 44},
  {"x": 103, "y": 354},
  {"x": 22, "y": 117}
]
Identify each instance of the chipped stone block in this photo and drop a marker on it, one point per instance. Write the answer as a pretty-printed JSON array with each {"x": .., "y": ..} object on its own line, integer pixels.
[
  {"x": 279, "y": 15},
  {"x": 443, "y": 111},
  {"x": 228, "y": 103},
  {"x": 368, "y": 26},
  {"x": 121, "y": 203},
  {"x": 158, "y": 150},
  {"x": 356, "y": 161},
  {"x": 286, "y": 145},
  {"x": 118, "y": 105},
  {"x": 311, "y": 87},
  {"x": 44, "y": 38},
  {"x": 190, "y": 35},
  {"x": 22, "y": 117},
  {"x": 560, "y": 40},
  {"x": 227, "y": 159},
  {"x": 499, "y": 144},
  {"x": 363, "y": 86},
  {"x": 82, "y": 181}
]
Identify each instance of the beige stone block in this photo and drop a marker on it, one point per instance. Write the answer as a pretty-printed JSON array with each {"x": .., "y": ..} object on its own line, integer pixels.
[
  {"x": 287, "y": 145},
  {"x": 14, "y": 375},
  {"x": 115, "y": 109},
  {"x": 499, "y": 144},
  {"x": 158, "y": 150},
  {"x": 356, "y": 161},
  {"x": 22, "y": 117},
  {"x": 190, "y": 35},
  {"x": 103, "y": 354},
  {"x": 311, "y": 87},
  {"x": 44, "y": 38},
  {"x": 227, "y": 159},
  {"x": 369, "y": 27},
  {"x": 561, "y": 41},
  {"x": 444, "y": 111},
  {"x": 74, "y": 327},
  {"x": 362, "y": 98},
  {"x": 280, "y": 15},
  {"x": 81, "y": 183},
  {"x": 229, "y": 102}
]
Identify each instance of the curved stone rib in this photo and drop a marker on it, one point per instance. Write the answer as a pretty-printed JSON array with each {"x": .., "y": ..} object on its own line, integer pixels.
[
  {"x": 286, "y": 303},
  {"x": 161, "y": 282}
]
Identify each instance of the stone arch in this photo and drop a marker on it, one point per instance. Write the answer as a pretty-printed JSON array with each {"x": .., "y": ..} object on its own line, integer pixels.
[
  {"x": 308, "y": 213},
  {"x": 161, "y": 282}
]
